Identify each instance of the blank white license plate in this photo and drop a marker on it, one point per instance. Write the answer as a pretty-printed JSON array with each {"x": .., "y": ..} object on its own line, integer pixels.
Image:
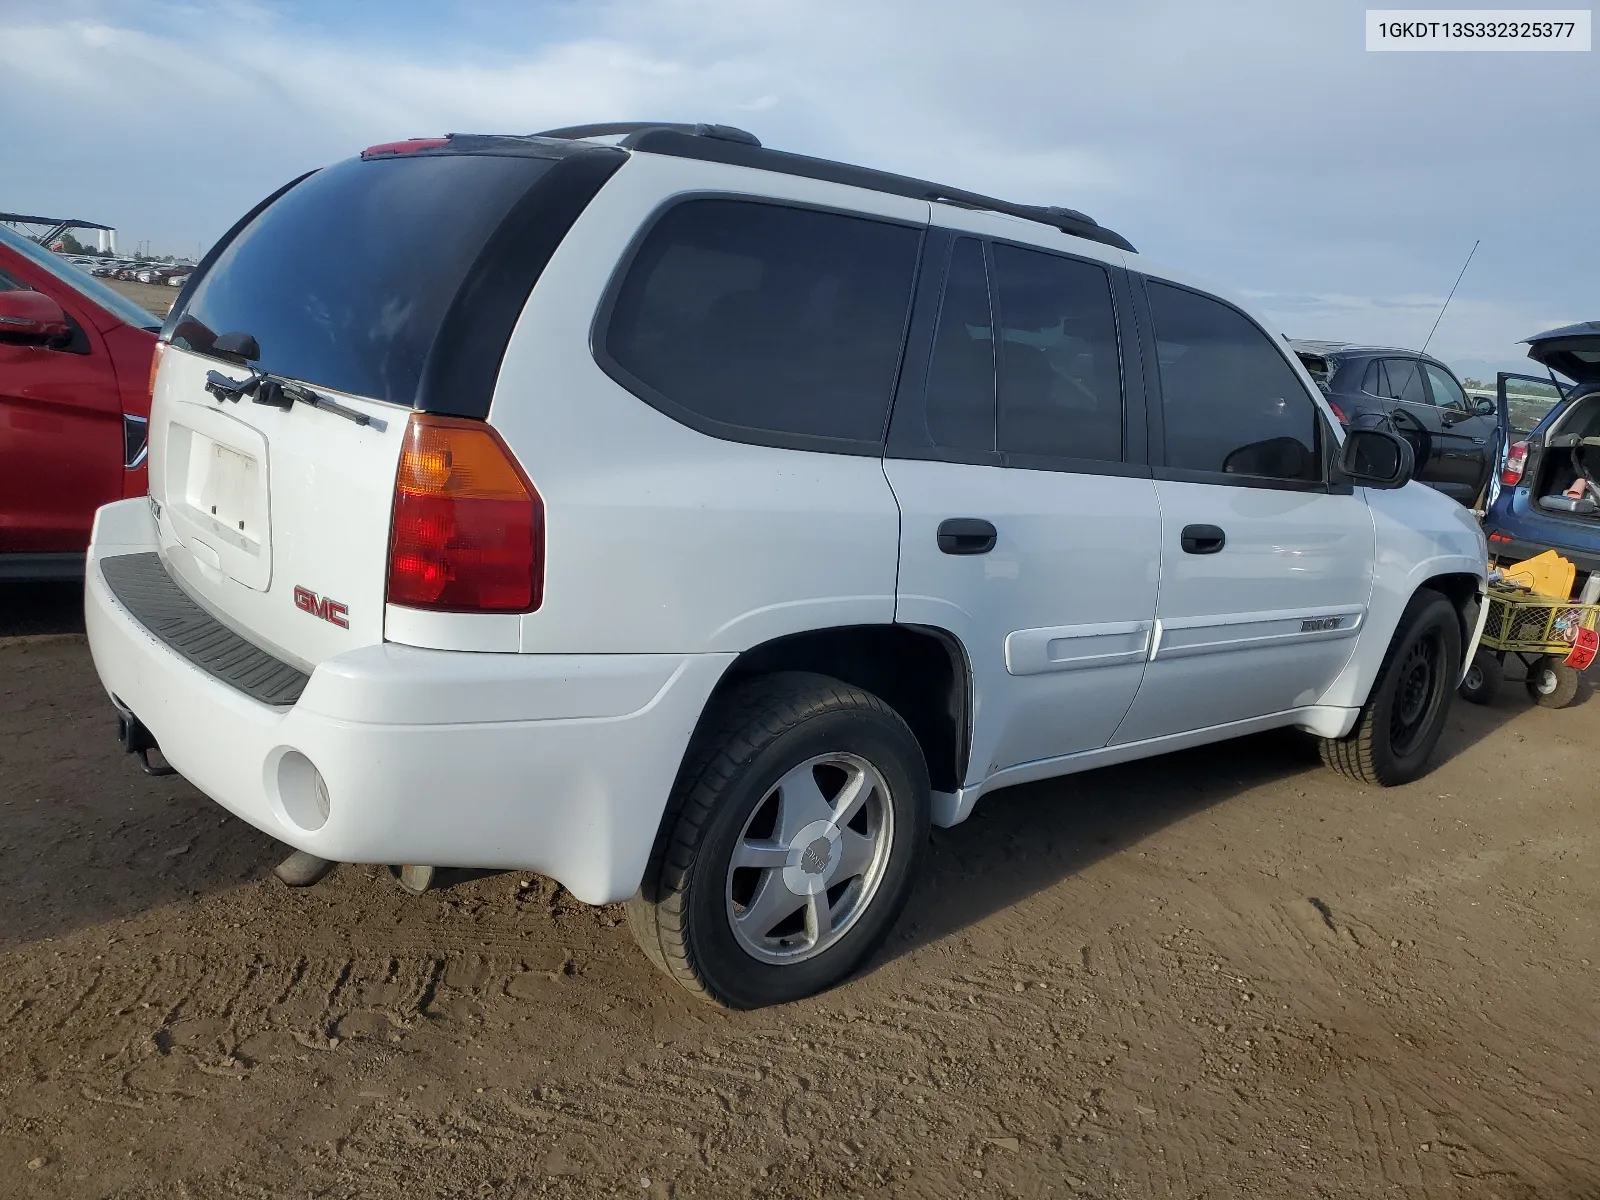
[{"x": 225, "y": 486}]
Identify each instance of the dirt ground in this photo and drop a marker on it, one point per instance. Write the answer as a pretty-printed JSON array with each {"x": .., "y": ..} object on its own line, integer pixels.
[
  {"x": 154, "y": 298},
  {"x": 1222, "y": 974}
]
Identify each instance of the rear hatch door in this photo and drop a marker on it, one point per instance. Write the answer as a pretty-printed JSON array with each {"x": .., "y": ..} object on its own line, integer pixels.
[
  {"x": 1574, "y": 350},
  {"x": 276, "y": 518}
]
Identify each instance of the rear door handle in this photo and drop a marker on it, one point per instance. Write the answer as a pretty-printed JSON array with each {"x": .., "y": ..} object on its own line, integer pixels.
[
  {"x": 966, "y": 535},
  {"x": 1202, "y": 539}
]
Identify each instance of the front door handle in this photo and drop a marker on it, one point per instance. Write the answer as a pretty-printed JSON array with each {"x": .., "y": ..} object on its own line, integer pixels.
[
  {"x": 1202, "y": 539},
  {"x": 966, "y": 535}
]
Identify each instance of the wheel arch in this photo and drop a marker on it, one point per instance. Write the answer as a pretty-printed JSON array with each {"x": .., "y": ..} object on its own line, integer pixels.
[
  {"x": 922, "y": 672},
  {"x": 1458, "y": 579},
  {"x": 1465, "y": 592}
]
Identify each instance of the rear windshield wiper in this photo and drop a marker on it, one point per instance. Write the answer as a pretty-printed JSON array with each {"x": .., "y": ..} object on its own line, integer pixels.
[{"x": 275, "y": 392}]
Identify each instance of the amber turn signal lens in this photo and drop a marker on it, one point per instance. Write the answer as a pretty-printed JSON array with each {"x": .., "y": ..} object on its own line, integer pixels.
[
  {"x": 468, "y": 527},
  {"x": 155, "y": 365}
]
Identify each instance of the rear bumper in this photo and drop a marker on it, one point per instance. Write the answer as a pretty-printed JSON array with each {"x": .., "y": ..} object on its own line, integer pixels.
[
  {"x": 557, "y": 764},
  {"x": 1515, "y": 535}
]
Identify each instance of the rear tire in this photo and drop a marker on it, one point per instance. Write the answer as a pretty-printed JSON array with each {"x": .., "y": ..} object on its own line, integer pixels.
[
  {"x": 1482, "y": 681},
  {"x": 1552, "y": 683},
  {"x": 1400, "y": 724},
  {"x": 758, "y": 892}
]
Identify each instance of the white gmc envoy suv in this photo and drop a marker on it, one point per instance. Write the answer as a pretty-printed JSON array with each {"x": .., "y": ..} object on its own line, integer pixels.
[{"x": 695, "y": 523}]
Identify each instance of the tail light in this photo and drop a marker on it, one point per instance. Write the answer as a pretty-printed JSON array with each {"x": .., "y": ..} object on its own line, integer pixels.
[
  {"x": 468, "y": 526},
  {"x": 155, "y": 365},
  {"x": 1339, "y": 413},
  {"x": 1516, "y": 463}
]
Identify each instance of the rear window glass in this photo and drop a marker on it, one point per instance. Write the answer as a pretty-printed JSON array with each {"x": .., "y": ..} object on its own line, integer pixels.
[
  {"x": 767, "y": 318},
  {"x": 1317, "y": 367},
  {"x": 345, "y": 280}
]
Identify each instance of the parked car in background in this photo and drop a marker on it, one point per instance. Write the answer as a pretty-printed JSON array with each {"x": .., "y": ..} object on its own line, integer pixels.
[
  {"x": 1456, "y": 440},
  {"x": 75, "y": 367},
  {"x": 733, "y": 519},
  {"x": 1547, "y": 498}
]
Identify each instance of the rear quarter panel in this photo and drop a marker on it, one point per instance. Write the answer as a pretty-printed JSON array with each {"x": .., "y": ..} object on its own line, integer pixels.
[{"x": 660, "y": 538}]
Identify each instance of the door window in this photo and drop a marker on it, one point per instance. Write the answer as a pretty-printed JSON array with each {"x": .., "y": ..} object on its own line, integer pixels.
[
  {"x": 961, "y": 389},
  {"x": 767, "y": 318},
  {"x": 1447, "y": 392},
  {"x": 1231, "y": 403},
  {"x": 1401, "y": 379},
  {"x": 1529, "y": 401},
  {"x": 1060, "y": 376}
]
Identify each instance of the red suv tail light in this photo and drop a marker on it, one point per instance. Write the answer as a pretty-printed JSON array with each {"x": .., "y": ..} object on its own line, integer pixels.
[
  {"x": 1516, "y": 461},
  {"x": 468, "y": 526},
  {"x": 1339, "y": 414}
]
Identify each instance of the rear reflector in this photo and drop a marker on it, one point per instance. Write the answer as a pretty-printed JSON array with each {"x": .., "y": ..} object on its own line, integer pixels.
[
  {"x": 1516, "y": 462},
  {"x": 409, "y": 146},
  {"x": 468, "y": 528}
]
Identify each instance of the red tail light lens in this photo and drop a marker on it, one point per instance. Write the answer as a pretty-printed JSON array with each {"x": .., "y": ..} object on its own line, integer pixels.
[
  {"x": 468, "y": 527},
  {"x": 1339, "y": 413},
  {"x": 1516, "y": 462},
  {"x": 409, "y": 146}
]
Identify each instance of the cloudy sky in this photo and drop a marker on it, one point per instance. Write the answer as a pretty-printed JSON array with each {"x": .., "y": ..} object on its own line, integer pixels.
[{"x": 1256, "y": 143}]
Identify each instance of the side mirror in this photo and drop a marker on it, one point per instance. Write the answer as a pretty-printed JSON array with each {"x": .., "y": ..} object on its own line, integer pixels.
[
  {"x": 32, "y": 319},
  {"x": 1376, "y": 458},
  {"x": 1484, "y": 406}
]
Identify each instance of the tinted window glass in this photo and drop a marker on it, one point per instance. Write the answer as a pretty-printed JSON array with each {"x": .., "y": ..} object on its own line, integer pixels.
[
  {"x": 346, "y": 278},
  {"x": 1447, "y": 392},
  {"x": 1403, "y": 381},
  {"x": 1231, "y": 403},
  {"x": 1060, "y": 381},
  {"x": 961, "y": 393},
  {"x": 1372, "y": 382},
  {"x": 770, "y": 318},
  {"x": 1529, "y": 401}
]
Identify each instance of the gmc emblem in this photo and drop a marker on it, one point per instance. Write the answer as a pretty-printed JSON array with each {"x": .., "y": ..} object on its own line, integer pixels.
[{"x": 330, "y": 611}]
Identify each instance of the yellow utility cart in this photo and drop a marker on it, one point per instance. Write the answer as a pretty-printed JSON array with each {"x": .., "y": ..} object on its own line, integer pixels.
[{"x": 1555, "y": 639}]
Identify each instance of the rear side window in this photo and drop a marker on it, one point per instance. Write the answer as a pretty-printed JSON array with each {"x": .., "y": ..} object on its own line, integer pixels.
[
  {"x": 345, "y": 280},
  {"x": 1231, "y": 404},
  {"x": 744, "y": 318},
  {"x": 1060, "y": 378}
]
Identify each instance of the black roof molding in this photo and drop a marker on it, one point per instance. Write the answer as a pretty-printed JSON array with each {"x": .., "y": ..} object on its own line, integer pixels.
[
  {"x": 735, "y": 147},
  {"x": 629, "y": 129}
]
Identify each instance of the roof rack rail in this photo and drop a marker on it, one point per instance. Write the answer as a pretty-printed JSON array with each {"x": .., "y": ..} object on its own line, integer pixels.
[
  {"x": 628, "y": 129},
  {"x": 725, "y": 144}
]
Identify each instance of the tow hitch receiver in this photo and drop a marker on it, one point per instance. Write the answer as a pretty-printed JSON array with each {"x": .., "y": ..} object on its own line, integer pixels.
[{"x": 138, "y": 740}]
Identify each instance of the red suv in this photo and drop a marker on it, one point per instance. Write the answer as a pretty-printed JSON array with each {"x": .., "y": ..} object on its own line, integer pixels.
[{"x": 75, "y": 368}]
